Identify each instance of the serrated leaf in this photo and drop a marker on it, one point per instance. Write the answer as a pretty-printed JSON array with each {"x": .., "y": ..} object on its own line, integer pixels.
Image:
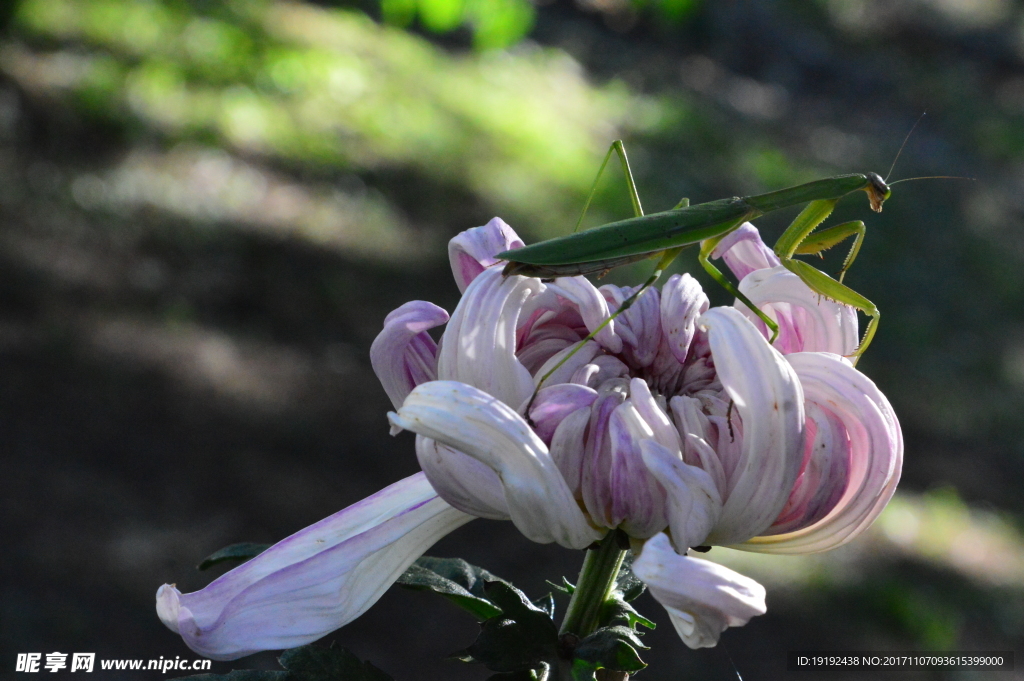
[
  {"x": 519, "y": 640},
  {"x": 617, "y": 609},
  {"x": 421, "y": 578},
  {"x": 241, "y": 551},
  {"x": 547, "y": 604},
  {"x": 612, "y": 648},
  {"x": 565, "y": 587}
]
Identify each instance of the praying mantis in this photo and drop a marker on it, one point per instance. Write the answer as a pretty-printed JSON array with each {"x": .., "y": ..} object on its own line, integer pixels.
[{"x": 666, "y": 234}]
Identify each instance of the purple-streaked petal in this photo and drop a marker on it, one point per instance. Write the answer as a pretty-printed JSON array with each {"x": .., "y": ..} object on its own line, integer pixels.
[
  {"x": 316, "y": 580},
  {"x": 479, "y": 343},
  {"x": 744, "y": 252},
  {"x": 638, "y": 501},
  {"x": 567, "y": 372},
  {"x": 467, "y": 419},
  {"x": 808, "y": 322},
  {"x": 557, "y": 402},
  {"x": 568, "y": 447},
  {"x": 596, "y": 479},
  {"x": 461, "y": 480},
  {"x": 639, "y": 326},
  {"x": 769, "y": 402},
  {"x": 702, "y": 598},
  {"x": 693, "y": 501},
  {"x": 404, "y": 355},
  {"x": 682, "y": 301},
  {"x": 473, "y": 251},
  {"x": 876, "y": 454}
]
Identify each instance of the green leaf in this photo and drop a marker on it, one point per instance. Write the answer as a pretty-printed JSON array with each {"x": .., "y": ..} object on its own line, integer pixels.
[
  {"x": 456, "y": 580},
  {"x": 242, "y": 551},
  {"x": 521, "y": 639},
  {"x": 612, "y": 648},
  {"x": 547, "y": 604},
  {"x": 629, "y": 584},
  {"x": 617, "y": 609},
  {"x": 307, "y": 663}
]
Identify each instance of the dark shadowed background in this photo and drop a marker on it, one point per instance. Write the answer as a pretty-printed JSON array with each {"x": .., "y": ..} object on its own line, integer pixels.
[{"x": 207, "y": 208}]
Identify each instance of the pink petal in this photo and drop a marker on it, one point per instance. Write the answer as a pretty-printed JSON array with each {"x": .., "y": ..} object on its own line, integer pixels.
[
  {"x": 404, "y": 355},
  {"x": 473, "y": 251},
  {"x": 876, "y": 454},
  {"x": 316, "y": 580},
  {"x": 583, "y": 296},
  {"x": 557, "y": 402},
  {"x": 744, "y": 252},
  {"x": 693, "y": 501},
  {"x": 702, "y": 598},
  {"x": 808, "y": 322},
  {"x": 637, "y": 500},
  {"x": 639, "y": 326}
]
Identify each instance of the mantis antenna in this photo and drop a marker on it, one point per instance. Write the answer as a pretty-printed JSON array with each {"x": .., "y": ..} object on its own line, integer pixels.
[{"x": 903, "y": 145}]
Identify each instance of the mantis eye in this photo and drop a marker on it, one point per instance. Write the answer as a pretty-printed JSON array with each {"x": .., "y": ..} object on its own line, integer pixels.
[{"x": 878, "y": 191}]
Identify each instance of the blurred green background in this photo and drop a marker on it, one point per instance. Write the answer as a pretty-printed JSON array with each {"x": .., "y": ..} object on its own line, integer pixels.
[{"x": 207, "y": 208}]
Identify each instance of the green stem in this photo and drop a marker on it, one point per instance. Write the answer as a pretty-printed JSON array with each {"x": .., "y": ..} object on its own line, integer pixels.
[{"x": 594, "y": 586}]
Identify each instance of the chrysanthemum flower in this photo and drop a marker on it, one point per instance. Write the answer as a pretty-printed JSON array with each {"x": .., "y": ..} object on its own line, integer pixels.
[{"x": 677, "y": 424}]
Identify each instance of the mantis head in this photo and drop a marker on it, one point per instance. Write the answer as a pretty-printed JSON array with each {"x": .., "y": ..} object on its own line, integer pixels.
[{"x": 877, "y": 190}]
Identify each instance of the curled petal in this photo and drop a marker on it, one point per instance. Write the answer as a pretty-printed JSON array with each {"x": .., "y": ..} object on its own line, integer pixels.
[
  {"x": 316, "y": 580},
  {"x": 876, "y": 454},
  {"x": 640, "y": 325},
  {"x": 768, "y": 398},
  {"x": 404, "y": 355},
  {"x": 555, "y": 403},
  {"x": 637, "y": 500},
  {"x": 744, "y": 252},
  {"x": 593, "y": 308},
  {"x": 461, "y": 480},
  {"x": 702, "y": 598},
  {"x": 467, "y": 419},
  {"x": 567, "y": 447},
  {"x": 473, "y": 251},
  {"x": 808, "y": 322},
  {"x": 682, "y": 301},
  {"x": 479, "y": 343},
  {"x": 694, "y": 504},
  {"x": 653, "y": 415}
]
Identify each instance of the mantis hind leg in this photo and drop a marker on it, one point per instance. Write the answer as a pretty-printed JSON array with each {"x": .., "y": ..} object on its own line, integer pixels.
[
  {"x": 634, "y": 197},
  {"x": 827, "y": 238}
]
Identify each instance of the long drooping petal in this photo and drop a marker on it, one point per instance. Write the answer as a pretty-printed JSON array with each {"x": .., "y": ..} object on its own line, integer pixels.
[
  {"x": 876, "y": 454},
  {"x": 693, "y": 502},
  {"x": 316, "y": 580},
  {"x": 473, "y": 251},
  {"x": 404, "y": 355},
  {"x": 702, "y": 598},
  {"x": 479, "y": 344},
  {"x": 476, "y": 423},
  {"x": 768, "y": 397}
]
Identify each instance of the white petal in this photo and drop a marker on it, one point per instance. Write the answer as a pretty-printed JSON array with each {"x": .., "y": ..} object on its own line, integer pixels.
[
  {"x": 316, "y": 580},
  {"x": 808, "y": 322},
  {"x": 769, "y": 401},
  {"x": 702, "y": 598},
  {"x": 693, "y": 502},
  {"x": 461, "y": 480},
  {"x": 471, "y": 421},
  {"x": 479, "y": 344},
  {"x": 404, "y": 355},
  {"x": 592, "y": 307},
  {"x": 682, "y": 301},
  {"x": 473, "y": 251},
  {"x": 876, "y": 459}
]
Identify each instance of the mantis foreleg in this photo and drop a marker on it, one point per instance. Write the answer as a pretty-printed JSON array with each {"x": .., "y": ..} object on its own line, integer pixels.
[
  {"x": 706, "y": 248},
  {"x": 827, "y": 238},
  {"x": 794, "y": 238}
]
